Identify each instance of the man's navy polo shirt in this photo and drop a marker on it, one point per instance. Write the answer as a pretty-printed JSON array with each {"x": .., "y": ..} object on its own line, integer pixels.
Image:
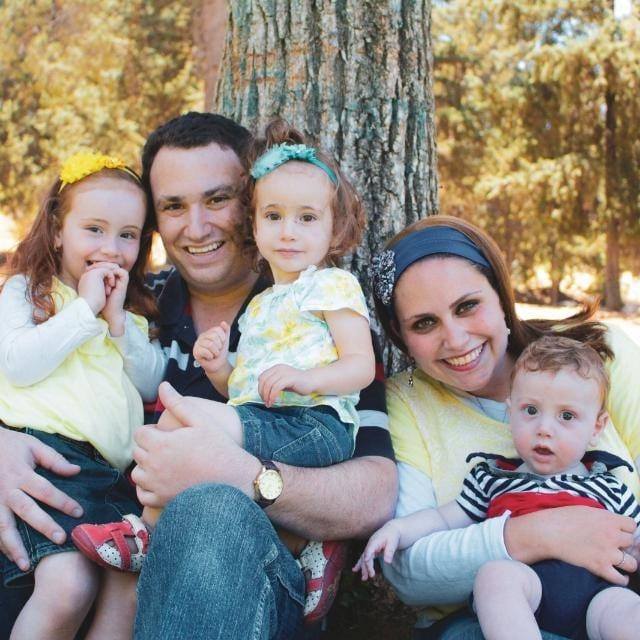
[{"x": 177, "y": 336}]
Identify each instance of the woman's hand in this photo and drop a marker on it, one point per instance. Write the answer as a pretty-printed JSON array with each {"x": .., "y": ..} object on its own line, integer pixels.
[
  {"x": 21, "y": 486},
  {"x": 585, "y": 536}
]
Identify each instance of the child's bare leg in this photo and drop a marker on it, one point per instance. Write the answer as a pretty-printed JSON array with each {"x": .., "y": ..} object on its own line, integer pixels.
[
  {"x": 292, "y": 541},
  {"x": 115, "y": 607},
  {"x": 614, "y": 614},
  {"x": 506, "y": 594},
  {"x": 65, "y": 587}
]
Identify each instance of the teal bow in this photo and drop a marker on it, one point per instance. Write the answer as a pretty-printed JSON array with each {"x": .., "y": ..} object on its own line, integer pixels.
[{"x": 281, "y": 153}]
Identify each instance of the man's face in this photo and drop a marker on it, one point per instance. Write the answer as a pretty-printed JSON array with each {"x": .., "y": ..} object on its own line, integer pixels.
[{"x": 194, "y": 194}]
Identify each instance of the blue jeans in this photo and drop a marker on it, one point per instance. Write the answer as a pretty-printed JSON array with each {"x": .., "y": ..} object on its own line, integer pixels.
[
  {"x": 217, "y": 569},
  {"x": 462, "y": 625},
  {"x": 102, "y": 491},
  {"x": 301, "y": 436}
]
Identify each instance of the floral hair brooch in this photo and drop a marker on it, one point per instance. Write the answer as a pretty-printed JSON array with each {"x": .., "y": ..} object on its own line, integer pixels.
[
  {"x": 86, "y": 163},
  {"x": 383, "y": 275},
  {"x": 277, "y": 155}
]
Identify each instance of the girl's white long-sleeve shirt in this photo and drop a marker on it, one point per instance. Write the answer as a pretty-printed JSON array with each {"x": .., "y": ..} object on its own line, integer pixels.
[{"x": 69, "y": 376}]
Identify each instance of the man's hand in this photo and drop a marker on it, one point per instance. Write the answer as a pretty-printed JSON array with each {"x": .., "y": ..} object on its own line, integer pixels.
[
  {"x": 21, "y": 486},
  {"x": 384, "y": 541},
  {"x": 171, "y": 461}
]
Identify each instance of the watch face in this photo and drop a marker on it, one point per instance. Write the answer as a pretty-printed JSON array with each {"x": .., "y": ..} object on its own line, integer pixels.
[{"x": 270, "y": 484}]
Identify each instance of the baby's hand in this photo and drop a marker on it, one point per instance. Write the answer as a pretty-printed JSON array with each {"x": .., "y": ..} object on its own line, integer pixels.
[
  {"x": 212, "y": 348},
  {"x": 385, "y": 540},
  {"x": 94, "y": 284},
  {"x": 282, "y": 377}
]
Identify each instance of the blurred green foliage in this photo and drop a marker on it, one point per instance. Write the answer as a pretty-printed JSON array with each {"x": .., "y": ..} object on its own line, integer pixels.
[
  {"x": 538, "y": 115},
  {"x": 81, "y": 74}
]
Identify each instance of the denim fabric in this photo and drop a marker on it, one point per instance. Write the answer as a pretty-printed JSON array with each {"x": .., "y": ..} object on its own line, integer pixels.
[
  {"x": 567, "y": 591},
  {"x": 102, "y": 491},
  {"x": 301, "y": 436},
  {"x": 12, "y": 599},
  {"x": 217, "y": 569},
  {"x": 462, "y": 625}
]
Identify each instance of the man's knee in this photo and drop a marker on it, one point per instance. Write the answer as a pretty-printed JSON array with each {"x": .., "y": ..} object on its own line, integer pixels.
[{"x": 213, "y": 519}]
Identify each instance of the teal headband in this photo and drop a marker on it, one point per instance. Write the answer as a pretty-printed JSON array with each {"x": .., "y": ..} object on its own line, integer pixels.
[{"x": 279, "y": 154}]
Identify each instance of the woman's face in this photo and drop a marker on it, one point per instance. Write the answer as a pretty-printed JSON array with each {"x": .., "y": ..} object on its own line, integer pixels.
[{"x": 452, "y": 323}]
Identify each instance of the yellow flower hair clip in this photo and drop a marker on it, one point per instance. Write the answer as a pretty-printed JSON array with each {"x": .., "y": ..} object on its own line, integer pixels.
[{"x": 86, "y": 163}]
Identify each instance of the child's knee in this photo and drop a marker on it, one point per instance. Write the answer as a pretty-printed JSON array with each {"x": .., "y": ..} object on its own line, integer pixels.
[
  {"x": 610, "y": 608},
  {"x": 66, "y": 582},
  {"x": 507, "y": 574}
]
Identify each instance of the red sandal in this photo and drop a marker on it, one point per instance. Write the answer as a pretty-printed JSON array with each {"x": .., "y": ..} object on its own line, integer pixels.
[
  {"x": 321, "y": 564},
  {"x": 93, "y": 541}
]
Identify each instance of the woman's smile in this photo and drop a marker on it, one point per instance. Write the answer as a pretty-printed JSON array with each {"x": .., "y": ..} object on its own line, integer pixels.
[{"x": 451, "y": 321}]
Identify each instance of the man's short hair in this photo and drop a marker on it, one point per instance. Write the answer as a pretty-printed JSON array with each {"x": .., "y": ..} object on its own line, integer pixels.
[
  {"x": 191, "y": 130},
  {"x": 553, "y": 353}
]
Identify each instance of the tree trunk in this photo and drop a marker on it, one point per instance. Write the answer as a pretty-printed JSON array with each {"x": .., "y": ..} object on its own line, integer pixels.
[
  {"x": 354, "y": 75},
  {"x": 612, "y": 296},
  {"x": 209, "y": 26}
]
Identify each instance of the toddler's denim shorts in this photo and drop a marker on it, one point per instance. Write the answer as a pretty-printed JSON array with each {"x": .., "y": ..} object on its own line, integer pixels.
[
  {"x": 301, "y": 436},
  {"x": 104, "y": 493}
]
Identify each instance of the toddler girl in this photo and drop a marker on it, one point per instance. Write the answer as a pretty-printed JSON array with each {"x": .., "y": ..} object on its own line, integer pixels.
[
  {"x": 305, "y": 350},
  {"x": 558, "y": 394},
  {"x": 75, "y": 359}
]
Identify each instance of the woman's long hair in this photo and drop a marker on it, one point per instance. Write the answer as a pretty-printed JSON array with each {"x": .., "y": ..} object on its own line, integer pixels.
[{"x": 37, "y": 258}]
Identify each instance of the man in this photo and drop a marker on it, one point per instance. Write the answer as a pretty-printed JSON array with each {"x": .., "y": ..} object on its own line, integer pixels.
[{"x": 216, "y": 567}]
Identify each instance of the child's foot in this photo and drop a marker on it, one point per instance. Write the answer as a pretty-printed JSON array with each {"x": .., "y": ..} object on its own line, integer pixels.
[
  {"x": 321, "y": 563},
  {"x": 115, "y": 545}
]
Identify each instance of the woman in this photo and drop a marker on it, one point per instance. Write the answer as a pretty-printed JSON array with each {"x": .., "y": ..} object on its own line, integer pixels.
[{"x": 443, "y": 295}]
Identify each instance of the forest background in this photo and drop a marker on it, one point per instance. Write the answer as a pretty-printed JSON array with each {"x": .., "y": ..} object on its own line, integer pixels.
[
  {"x": 537, "y": 114},
  {"x": 537, "y": 117}
]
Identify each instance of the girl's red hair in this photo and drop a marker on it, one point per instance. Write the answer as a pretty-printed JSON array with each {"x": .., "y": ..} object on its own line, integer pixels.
[{"x": 37, "y": 258}]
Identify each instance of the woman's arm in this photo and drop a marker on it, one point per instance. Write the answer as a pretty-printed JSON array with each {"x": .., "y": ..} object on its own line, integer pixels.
[
  {"x": 585, "y": 536},
  {"x": 440, "y": 568},
  {"x": 144, "y": 361},
  {"x": 30, "y": 352}
]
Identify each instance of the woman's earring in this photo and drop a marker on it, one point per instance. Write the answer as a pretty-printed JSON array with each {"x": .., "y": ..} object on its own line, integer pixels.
[
  {"x": 508, "y": 331},
  {"x": 412, "y": 368}
]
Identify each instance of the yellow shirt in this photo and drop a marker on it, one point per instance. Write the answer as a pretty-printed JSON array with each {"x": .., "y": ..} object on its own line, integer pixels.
[
  {"x": 88, "y": 396},
  {"x": 433, "y": 430}
]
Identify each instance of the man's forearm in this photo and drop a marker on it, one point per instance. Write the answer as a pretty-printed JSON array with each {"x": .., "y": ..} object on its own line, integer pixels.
[{"x": 347, "y": 500}]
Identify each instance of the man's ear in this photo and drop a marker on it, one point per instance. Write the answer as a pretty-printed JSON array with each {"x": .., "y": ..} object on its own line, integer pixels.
[{"x": 601, "y": 422}]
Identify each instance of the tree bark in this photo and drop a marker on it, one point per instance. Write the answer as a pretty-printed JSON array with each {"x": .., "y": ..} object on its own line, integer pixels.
[
  {"x": 354, "y": 75},
  {"x": 612, "y": 295},
  {"x": 209, "y": 26}
]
